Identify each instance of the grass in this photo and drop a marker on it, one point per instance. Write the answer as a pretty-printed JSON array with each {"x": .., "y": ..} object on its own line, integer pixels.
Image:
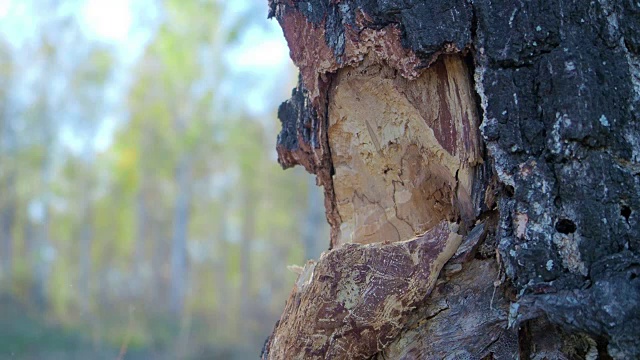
[{"x": 27, "y": 334}]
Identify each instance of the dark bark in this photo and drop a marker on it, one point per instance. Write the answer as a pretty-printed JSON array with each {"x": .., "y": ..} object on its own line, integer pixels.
[{"x": 557, "y": 86}]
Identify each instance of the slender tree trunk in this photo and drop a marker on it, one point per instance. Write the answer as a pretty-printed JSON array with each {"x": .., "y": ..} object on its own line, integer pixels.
[
  {"x": 312, "y": 231},
  {"x": 140, "y": 261},
  {"x": 247, "y": 236},
  {"x": 182, "y": 212},
  {"x": 480, "y": 167},
  {"x": 30, "y": 239},
  {"x": 7, "y": 223},
  {"x": 182, "y": 342},
  {"x": 86, "y": 242},
  {"x": 221, "y": 267},
  {"x": 144, "y": 231},
  {"x": 8, "y": 199},
  {"x": 161, "y": 235},
  {"x": 41, "y": 253}
]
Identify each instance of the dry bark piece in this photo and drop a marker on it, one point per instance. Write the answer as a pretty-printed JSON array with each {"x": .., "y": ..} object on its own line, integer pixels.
[
  {"x": 356, "y": 299},
  {"x": 468, "y": 248}
]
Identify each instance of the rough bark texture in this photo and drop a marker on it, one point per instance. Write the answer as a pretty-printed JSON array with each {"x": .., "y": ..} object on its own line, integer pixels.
[
  {"x": 356, "y": 299},
  {"x": 385, "y": 116}
]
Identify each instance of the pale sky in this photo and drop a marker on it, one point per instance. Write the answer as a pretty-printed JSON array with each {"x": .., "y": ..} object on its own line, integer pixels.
[
  {"x": 262, "y": 53},
  {"x": 110, "y": 19}
]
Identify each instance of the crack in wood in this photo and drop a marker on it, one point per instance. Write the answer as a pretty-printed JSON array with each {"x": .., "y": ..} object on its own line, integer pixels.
[{"x": 373, "y": 136}]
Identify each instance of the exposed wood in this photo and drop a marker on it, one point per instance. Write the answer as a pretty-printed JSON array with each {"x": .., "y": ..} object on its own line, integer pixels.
[{"x": 403, "y": 150}]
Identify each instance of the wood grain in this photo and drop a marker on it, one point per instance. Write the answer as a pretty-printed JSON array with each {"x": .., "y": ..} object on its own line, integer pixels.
[{"x": 404, "y": 151}]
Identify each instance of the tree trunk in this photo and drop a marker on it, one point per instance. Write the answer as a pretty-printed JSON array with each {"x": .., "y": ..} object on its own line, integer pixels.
[
  {"x": 8, "y": 212},
  {"x": 311, "y": 235},
  {"x": 140, "y": 261},
  {"x": 481, "y": 168},
  {"x": 181, "y": 215},
  {"x": 8, "y": 177},
  {"x": 86, "y": 244},
  {"x": 41, "y": 250},
  {"x": 221, "y": 269},
  {"x": 247, "y": 238}
]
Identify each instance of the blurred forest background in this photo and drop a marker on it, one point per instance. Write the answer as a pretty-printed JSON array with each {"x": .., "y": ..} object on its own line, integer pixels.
[{"x": 143, "y": 214}]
